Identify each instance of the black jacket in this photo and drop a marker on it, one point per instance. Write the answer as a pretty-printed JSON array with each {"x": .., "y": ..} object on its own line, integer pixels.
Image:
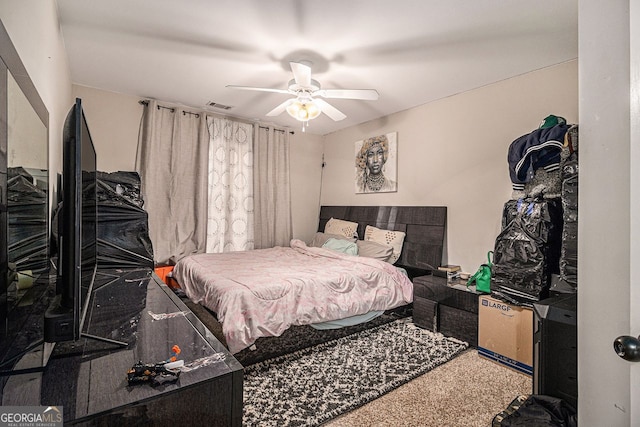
[{"x": 538, "y": 149}]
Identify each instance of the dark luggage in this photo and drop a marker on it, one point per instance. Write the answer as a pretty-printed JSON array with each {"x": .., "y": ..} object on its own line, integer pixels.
[
  {"x": 123, "y": 230},
  {"x": 536, "y": 411},
  {"x": 527, "y": 251},
  {"x": 569, "y": 252},
  {"x": 27, "y": 224}
]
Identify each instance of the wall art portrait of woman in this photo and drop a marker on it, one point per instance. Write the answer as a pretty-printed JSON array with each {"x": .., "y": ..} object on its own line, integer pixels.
[{"x": 376, "y": 164}]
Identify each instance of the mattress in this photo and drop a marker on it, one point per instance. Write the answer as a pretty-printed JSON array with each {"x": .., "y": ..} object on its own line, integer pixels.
[{"x": 263, "y": 292}]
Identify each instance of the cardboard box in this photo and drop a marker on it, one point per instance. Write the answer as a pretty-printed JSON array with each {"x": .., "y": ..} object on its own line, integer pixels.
[{"x": 505, "y": 334}]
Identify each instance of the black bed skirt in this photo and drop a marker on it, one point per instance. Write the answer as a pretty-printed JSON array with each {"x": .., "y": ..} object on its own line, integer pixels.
[{"x": 293, "y": 339}]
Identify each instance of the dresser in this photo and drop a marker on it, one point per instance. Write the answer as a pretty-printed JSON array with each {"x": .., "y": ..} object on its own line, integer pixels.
[
  {"x": 88, "y": 378},
  {"x": 448, "y": 308}
]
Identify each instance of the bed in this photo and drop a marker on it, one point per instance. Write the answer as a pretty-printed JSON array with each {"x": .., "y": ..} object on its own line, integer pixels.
[{"x": 262, "y": 293}]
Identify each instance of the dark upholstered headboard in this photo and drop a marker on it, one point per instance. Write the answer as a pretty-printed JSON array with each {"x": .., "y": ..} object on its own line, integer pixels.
[{"x": 424, "y": 227}]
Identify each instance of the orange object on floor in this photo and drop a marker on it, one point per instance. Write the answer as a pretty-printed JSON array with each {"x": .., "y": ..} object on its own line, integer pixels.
[{"x": 164, "y": 275}]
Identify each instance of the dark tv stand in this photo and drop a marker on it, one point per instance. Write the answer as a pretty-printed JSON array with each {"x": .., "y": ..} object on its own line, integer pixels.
[
  {"x": 59, "y": 324},
  {"x": 48, "y": 347},
  {"x": 88, "y": 378},
  {"x": 59, "y": 321}
]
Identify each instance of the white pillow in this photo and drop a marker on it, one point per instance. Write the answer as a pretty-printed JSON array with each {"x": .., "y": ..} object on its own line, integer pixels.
[
  {"x": 371, "y": 249},
  {"x": 395, "y": 239},
  {"x": 339, "y": 226}
]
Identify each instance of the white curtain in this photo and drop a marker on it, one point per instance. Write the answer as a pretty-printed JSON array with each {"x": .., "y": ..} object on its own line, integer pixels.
[
  {"x": 272, "y": 200},
  {"x": 212, "y": 184},
  {"x": 230, "y": 220},
  {"x": 172, "y": 162}
]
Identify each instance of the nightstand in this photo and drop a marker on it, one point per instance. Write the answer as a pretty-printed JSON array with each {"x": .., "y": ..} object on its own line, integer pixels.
[{"x": 448, "y": 308}]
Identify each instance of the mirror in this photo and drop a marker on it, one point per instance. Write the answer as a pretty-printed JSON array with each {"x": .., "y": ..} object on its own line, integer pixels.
[
  {"x": 24, "y": 206},
  {"x": 27, "y": 187}
]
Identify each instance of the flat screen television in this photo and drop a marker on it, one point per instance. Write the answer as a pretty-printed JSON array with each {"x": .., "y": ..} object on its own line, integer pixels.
[{"x": 77, "y": 239}]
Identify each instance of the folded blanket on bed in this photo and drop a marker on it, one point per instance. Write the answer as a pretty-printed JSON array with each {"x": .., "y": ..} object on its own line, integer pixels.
[{"x": 263, "y": 292}]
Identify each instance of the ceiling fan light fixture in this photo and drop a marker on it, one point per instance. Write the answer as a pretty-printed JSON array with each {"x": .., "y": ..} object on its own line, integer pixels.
[
  {"x": 303, "y": 110},
  {"x": 308, "y": 102}
]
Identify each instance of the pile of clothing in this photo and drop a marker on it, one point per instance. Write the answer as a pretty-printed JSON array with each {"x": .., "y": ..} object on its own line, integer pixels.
[{"x": 537, "y": 246}]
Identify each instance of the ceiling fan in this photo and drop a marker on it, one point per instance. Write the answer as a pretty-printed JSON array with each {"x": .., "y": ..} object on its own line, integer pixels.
[{"x": 307, "y": 104}]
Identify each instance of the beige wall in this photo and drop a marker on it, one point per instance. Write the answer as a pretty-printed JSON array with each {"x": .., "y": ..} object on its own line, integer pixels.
[
  {"x": 306, "y": 173},
  {"x": 453, "y": 152},
  {"x": 35, "y": 32},
  {"x": 114, "y": 120}
]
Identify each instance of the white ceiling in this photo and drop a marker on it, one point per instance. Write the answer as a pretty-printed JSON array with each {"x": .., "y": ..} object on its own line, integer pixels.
[{"x": 411, "y": 51}]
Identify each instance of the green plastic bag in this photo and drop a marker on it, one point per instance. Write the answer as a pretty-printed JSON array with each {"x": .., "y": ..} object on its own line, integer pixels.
[{"x": 482, "y": 278}]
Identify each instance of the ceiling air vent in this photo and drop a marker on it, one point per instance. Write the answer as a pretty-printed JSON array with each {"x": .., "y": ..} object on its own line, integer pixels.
[{"x": 220, "y": 106}]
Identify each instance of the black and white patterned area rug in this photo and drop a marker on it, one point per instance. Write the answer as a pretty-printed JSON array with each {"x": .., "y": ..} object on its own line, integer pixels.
[{"x": 314, "y": 385}]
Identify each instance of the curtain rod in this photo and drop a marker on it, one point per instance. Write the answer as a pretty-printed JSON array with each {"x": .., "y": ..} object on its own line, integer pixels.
[
  {"x": 145, "y": 102},
  {"x": 277, "y": 130}
]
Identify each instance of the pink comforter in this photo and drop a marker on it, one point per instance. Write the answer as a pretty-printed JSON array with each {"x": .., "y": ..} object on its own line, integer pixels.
[{"x": 263, "y": 292}]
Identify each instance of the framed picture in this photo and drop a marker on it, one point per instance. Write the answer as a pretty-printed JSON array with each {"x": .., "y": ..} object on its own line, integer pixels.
[{"x": 377, "y": 164}]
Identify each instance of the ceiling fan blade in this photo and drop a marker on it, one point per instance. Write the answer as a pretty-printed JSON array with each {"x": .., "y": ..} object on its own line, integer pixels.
[
  {"x": 366, "y": 94},
  {"x": 280, "y": 108},
  {"x": 261, "y": 89},
  {"x": 329, "y": 110},
  {"x": 301, "y": 73}
]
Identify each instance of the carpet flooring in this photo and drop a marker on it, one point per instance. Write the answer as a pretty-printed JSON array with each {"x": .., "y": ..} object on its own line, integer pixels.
[
  {"x": 467, "y": 391},
  {"x": 314, "y": 385}
]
